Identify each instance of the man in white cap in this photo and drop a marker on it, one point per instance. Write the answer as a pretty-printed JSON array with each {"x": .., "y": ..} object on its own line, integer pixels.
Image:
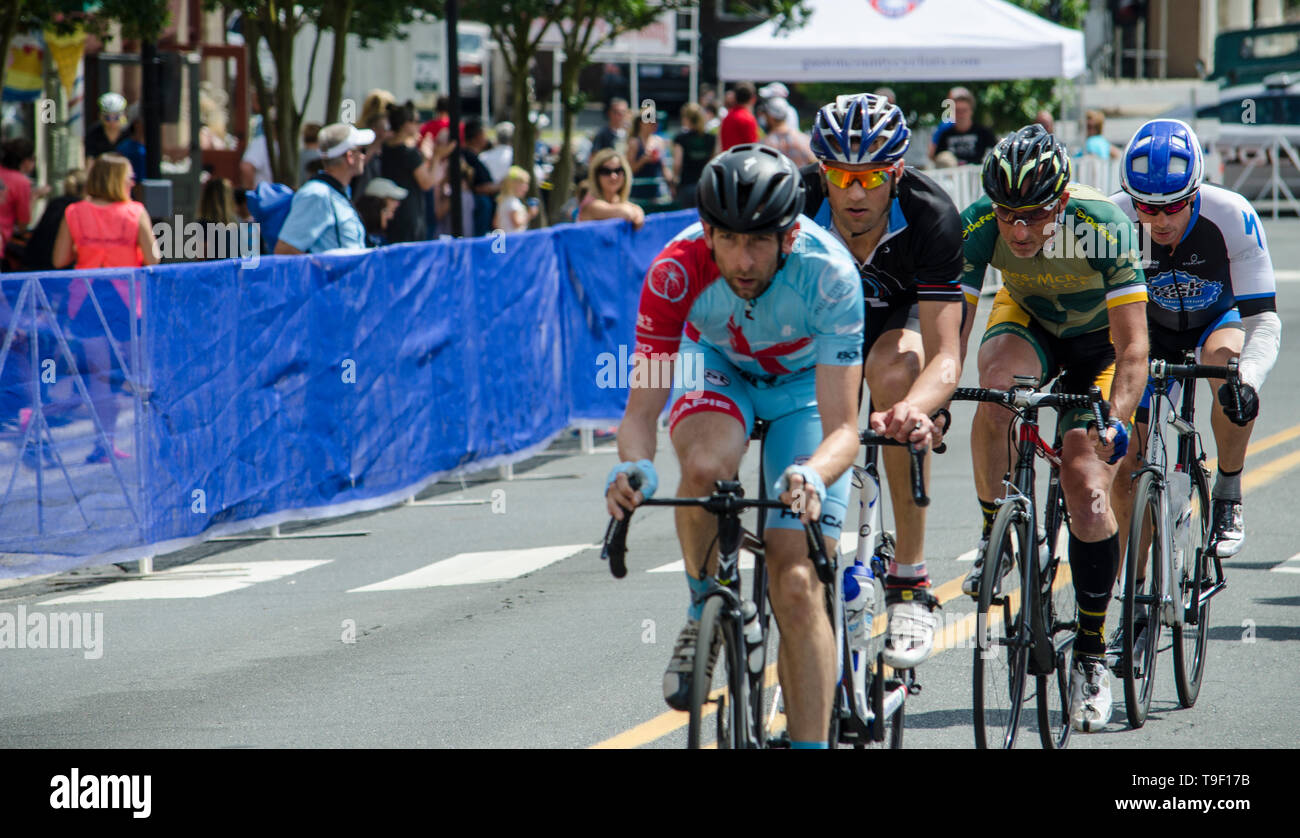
[
  {"x": 775, "y": 91},
  {"x": 109, "y": 130},
  {"x": 783, "y": 136},
  {"x": 322, "y": 217}
]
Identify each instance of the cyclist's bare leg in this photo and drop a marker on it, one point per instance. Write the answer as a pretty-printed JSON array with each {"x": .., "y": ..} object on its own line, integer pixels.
[
  {"x": 895, "y": 361},
  {"x": 709, "y": 447},
  {"x": 1000, "y": 359},
  {"x": 1231, "y": 440},
  {"x": 806, "y": 660},
  {"x": 1087, "y": 483}
]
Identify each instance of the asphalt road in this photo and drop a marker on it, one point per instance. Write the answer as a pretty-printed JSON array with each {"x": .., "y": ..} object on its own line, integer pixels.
[{"x": 271, "y": 644}]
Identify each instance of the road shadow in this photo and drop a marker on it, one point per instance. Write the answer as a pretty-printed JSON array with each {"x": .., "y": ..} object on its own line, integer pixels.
[{"x": 1233, "y": 633}]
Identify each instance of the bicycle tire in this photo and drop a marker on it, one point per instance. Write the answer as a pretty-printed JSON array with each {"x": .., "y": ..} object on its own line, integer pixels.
[
  {"x": 729, "y": 694},
  {"x": 1140, "y": 658},
  {"x": 1062, "y": 613},
  {"x": 1190, "y": 642},
  {"x": 996, "y": 727}
]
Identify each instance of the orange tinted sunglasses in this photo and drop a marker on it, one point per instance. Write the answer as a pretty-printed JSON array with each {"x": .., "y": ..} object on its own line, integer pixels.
[{"x": 869, "y": 179}]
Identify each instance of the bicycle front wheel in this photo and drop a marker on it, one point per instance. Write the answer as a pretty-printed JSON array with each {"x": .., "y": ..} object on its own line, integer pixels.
[
  {"x": 1190, "y": 639},
  {"x": 1142, "y": 569},
  {"x": 1061, "y": 615},
  {"x": 718, "y": 681},
  {"x": 1001, "y": 630}
]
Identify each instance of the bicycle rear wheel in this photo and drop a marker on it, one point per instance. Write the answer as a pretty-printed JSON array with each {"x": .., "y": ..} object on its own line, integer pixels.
[
  {"x": 718, "y": 685},
  {"x": 1001, "y": 648},
  {"x": 1061, "y": 613},
  {"x": 1146, "y": 542},
  {"x": 1190, "y": 640}
]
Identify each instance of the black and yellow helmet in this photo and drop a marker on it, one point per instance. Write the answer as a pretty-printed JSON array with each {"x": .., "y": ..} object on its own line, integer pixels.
[{"x": 1028, "y": 168}]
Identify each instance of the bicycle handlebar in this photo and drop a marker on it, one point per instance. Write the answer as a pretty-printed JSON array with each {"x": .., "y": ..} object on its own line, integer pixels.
[
  {"x": 917, "y": 462},
  {"x": 1026, "y": 397},
  {"x": 614, "y": 547}
]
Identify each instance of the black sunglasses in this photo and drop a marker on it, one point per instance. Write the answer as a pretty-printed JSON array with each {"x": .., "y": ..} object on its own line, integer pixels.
[{"x": 611, "y": 172}]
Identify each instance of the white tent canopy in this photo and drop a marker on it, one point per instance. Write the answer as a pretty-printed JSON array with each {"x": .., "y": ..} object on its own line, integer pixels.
[{"x": 906, "y": 40}]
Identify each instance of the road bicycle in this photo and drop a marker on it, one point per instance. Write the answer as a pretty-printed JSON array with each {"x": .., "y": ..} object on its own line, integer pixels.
[
  {"x": 729, "y": 677},
  {"x": 1026, "y": 622},
  {"x": 1170, "y": 574}
]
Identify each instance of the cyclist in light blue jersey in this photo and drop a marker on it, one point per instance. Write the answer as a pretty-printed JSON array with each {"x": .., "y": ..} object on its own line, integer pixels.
[{"x": 773, "y": 305}]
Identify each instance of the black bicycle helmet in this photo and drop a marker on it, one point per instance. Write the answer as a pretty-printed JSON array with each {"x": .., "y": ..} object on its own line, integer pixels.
[
  {"x": 751, "y": 188},
  {"x": 1028, "y": 168}
]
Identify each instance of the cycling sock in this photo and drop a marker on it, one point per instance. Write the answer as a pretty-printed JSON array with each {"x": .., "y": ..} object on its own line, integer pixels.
[
  {"x": 1093, "y": 566},
  {"x": 796, "y": 745},
  {"x": 988, "y": 509},
  {"x": 907, "y": 575},
  {"x": 698, "y": 586},
  {"x": 1227, "y": 485}
]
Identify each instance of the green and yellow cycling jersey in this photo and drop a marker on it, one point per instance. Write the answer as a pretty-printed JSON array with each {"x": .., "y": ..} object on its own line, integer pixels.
[{"x": 1091, "y": 264}]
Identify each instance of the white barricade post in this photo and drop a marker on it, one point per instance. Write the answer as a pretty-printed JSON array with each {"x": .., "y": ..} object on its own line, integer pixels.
[{"x": 1252, "y": 153}]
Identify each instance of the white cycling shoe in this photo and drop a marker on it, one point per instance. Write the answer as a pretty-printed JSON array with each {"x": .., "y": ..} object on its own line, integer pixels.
[
  {"x": 910, "y": 637},
  {"x": 1090, "y": 701}
]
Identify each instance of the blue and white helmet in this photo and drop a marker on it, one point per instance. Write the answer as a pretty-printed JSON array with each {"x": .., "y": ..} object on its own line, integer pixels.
[
  {"x": 860, "y": 128},
  {"x": 1163, "y": 162}
]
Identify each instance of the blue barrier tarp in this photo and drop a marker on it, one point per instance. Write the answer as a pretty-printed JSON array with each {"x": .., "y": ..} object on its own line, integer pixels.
[{"x": 304, "y": 383}]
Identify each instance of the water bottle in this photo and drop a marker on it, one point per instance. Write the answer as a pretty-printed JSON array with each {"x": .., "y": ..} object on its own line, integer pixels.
[
  {"x": 859, "y": 603},
  {"x": 753, "y": 636}
]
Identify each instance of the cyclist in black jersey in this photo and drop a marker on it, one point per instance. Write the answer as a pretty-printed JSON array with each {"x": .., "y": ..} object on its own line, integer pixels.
[{"x": 905, "y": 235}]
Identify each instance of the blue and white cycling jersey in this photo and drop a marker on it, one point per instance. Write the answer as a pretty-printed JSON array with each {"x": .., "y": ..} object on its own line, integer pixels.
[{"x": 1221, "y": 262}]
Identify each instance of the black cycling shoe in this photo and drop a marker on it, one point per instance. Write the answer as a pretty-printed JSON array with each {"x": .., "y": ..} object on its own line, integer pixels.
[{"x": 1229, "y": 532}]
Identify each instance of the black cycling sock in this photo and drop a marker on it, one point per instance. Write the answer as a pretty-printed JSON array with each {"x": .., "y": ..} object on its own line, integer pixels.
[
  {"x": 1227, "y": 485},
  {"x": 1094, "y": 566},
  {"x": 988, "y": 509}
]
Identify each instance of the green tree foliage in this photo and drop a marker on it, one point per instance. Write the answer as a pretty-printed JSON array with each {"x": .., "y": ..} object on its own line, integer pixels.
[{"x": 1002, "y": 105}]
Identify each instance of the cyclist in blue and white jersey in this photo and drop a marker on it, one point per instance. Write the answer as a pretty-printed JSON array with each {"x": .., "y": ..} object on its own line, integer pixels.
[
  {"x": 772, "y": 304},
  {"x": 1212, "y": 290},
  {"x": 906, "y": 241}
]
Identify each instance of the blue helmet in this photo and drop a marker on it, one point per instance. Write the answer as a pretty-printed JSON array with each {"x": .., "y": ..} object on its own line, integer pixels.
[
  {"x": 860, "y": 128},
  {"x": 1163, "y": 162}
]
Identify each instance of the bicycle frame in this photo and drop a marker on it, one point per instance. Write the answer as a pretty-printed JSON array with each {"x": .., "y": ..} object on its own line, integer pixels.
[{"x": 1156, "y": 462}]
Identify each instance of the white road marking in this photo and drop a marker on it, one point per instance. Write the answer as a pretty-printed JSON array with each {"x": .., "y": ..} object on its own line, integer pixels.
[
  {"x": 476, "y": 568},
  {"x": 1287, "y": 276},
  {"x": 968, "y": 556},
  {"x": 1291, "y": 565},
  {"x": 191, "y": 581}
]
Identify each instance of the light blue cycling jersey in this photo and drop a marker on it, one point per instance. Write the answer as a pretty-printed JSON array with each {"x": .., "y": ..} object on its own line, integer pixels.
[{"x": 811, "y": 313}]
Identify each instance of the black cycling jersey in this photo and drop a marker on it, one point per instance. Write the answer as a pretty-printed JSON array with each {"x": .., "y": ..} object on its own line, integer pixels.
[{"x": 920, "y": 257}]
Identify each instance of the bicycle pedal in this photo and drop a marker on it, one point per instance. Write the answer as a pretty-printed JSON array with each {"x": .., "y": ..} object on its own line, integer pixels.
[{"x": 780, "y": 741}]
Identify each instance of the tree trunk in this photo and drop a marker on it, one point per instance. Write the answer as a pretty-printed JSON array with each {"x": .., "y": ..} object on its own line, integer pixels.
[
  {"x": 562, "y": 182},
  {"x": 254, "y": 32},
  {"x": 338, "y": 65}
]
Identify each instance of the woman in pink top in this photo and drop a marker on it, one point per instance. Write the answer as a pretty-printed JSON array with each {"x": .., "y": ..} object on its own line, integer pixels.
[{"x": 107, "y": 230}]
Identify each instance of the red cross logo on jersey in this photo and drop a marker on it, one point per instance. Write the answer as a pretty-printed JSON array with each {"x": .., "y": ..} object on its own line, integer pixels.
[{"x": 767, "y": 358}]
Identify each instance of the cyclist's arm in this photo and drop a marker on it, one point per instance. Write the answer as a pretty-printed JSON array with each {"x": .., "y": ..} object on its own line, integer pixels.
[
  {"x": 1255, "y": 288},
  {"x": 638, "y": 432},
  {"x": 1128, "y": 332},
  {"x": 941, "y": 330},
  {"x": 979, "y": 233},
  {"x": 837, "y": 402}
]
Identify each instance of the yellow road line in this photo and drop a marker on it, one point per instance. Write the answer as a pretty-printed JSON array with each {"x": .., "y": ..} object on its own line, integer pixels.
[
  {"x": 1267, "y": 473},
  {"x": 1264, "y": 444}
]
